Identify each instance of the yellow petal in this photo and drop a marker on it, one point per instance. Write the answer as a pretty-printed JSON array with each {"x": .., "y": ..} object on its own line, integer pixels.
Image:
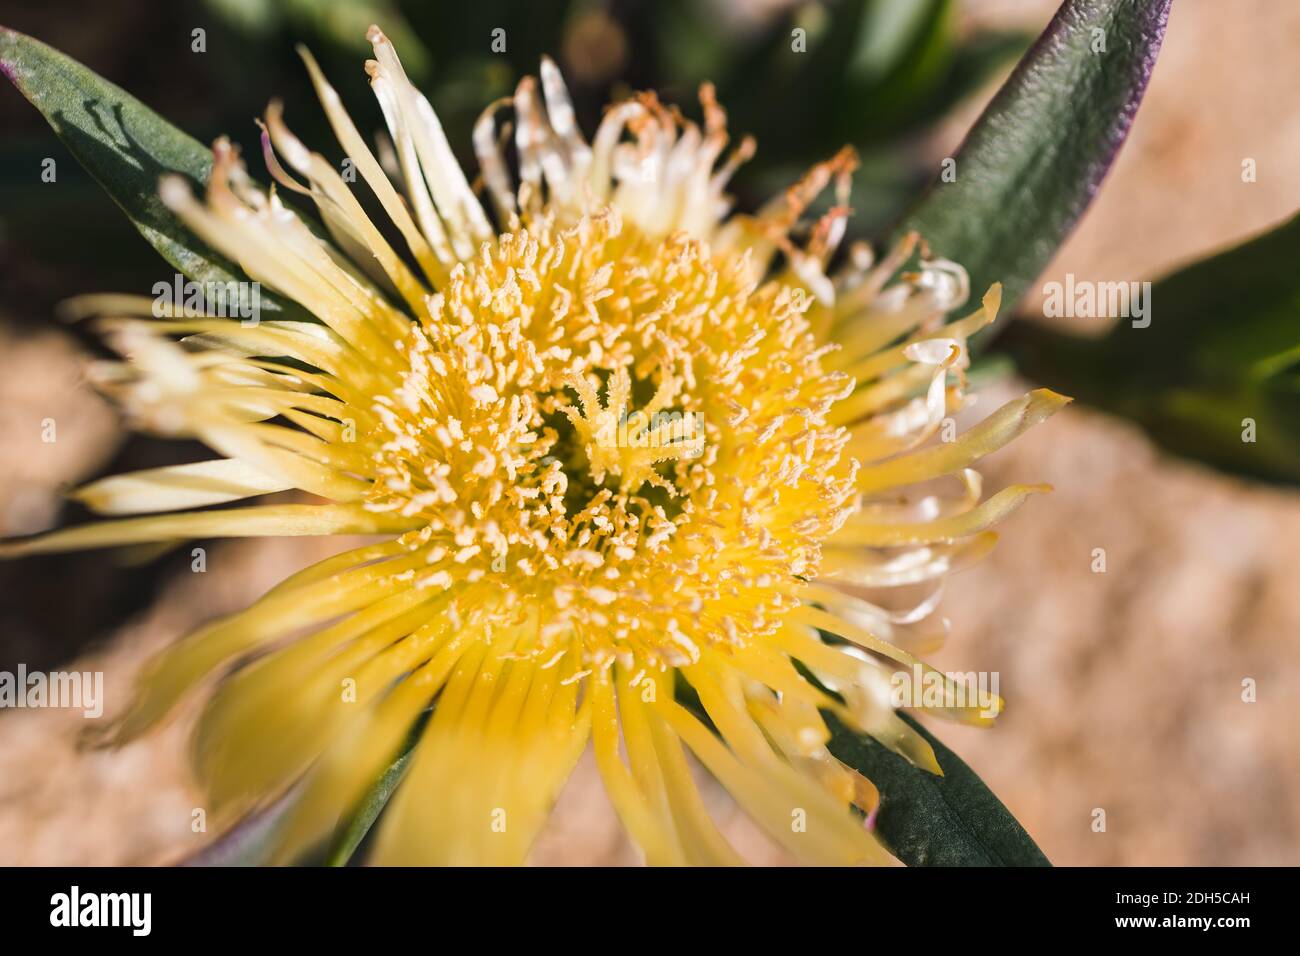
[
  {"x": 881, "y": 535},
  {"x": 258, "y": 521},
  {"x": 177, "y": 487},
  {"x": 1004, "y": 425}
]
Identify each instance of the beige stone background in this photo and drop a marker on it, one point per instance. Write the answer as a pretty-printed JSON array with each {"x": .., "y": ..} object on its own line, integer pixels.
[{"x": 1123, "y": 688}]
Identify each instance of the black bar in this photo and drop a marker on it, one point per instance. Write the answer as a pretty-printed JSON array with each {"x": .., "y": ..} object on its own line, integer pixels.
[{"x": 858, "y": 908}]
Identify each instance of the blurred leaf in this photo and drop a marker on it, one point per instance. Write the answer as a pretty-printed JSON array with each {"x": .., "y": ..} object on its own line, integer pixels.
[
  {"x": 255, "y": 17},
  {"x": 926, "y": 820},
  {"x": 249, "y": 842},
  {"x": 468, "y": 74},
  {"x": 890, "y": 98},
  {"x": 872, "y": 71},
  {"x": 888, "y": 33},
  {"x": 344, "y": 23},
  {"x": 691, "y": 46},
  {"x": 341, "y": 24},
  {"x": 974, "y": 63},
  {"x": 126, "y": 147},
  {"x": 1223, "y": 346},
  {"x": 1036, "y": 157},
  {"x": 864, "y": 67}
]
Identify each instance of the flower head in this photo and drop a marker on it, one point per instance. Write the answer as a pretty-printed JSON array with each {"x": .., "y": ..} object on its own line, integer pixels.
[{"x": 637, "y": 467}]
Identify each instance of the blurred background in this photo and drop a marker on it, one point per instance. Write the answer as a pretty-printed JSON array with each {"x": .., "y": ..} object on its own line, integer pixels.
[{"x": 1123, "y": 687}]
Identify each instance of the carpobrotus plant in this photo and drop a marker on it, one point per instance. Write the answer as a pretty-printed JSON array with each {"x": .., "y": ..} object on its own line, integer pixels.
[{"x": 639, "y": 469}]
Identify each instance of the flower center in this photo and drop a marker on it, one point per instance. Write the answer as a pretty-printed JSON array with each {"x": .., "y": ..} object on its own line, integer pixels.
[
  {"x": 627, "y": 428},
  {"x": 628, "y": 443}
]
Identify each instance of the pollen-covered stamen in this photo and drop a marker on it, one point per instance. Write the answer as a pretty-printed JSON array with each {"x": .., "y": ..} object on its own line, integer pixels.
[{"x": 629, "y": 443}]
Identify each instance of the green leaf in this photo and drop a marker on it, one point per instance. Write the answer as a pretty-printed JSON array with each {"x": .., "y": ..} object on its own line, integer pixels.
[
  {"x": 926, "y": 820},
  {"x": 353, "y": 827},
  {"x": 126, "y": 146},
  {"x": 885, "y": 94},
  {"x": 889, "y": 33},
  {"x": 340, "y": 23},
  {"x": 368, "y": 812},
  {"x": 1221, "y": 351},
  {"x": 1036, "y": 157},
  {"x": 975, "y": 62}
]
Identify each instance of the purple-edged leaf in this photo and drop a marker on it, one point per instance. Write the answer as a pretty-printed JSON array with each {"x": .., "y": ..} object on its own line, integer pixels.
[
  {"x": 249, "y": 842},
  {"x": 1036, "y": 157}
]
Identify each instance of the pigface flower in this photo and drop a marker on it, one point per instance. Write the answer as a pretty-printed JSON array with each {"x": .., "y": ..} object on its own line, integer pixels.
[{"x": 638, "y": 471}]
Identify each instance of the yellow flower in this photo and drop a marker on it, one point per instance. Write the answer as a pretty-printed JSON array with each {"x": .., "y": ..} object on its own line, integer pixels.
[{"x": 633, "y": 460}]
